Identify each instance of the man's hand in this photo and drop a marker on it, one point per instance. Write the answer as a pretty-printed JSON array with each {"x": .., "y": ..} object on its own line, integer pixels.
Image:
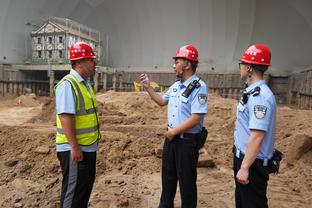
[
  {"x": 252, "y": 150},
  {"x": 242, "y": 175},
  {"x": 144, "y": 81},
  {"x": 170, "y": 134},
  {"x": 76, "y": 154},
  {"x": 67, "y": 121}
]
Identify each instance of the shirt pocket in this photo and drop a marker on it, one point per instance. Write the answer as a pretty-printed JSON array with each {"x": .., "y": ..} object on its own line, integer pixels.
[
  {"x": 241, "y": 108},
  {"x": 242, "y": 112},
  {"x": 184, "y": 99},
  {"x": 172, "y": 98},
  {"x": 173, "y": 94}
]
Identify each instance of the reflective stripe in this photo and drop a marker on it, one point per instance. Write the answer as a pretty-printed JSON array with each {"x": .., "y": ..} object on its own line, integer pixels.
[
  {"x": 80, "y": 131},
  {"x": 86, "y": 112},
  {"x": 72, "y": 183},
  {"x": 81, "y": 101},
  {"x": 82, "y": 110}
]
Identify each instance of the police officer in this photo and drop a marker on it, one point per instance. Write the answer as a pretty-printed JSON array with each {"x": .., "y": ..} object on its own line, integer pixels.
[
  {"x": 187, "y": 104},
  {"x": 77, "y": 128},
  {"x": 255, "y": 130}
]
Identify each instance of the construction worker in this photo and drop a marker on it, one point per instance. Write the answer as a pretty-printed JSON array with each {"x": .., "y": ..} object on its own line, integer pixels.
[
  {"x": 77, "y": 127},
  {"x": 255, "y": 130},
  {"x": 187, "y": 102}
]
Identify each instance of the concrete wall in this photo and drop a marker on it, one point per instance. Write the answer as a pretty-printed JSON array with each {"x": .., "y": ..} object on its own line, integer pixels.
[{"x": 147, "y": 33}]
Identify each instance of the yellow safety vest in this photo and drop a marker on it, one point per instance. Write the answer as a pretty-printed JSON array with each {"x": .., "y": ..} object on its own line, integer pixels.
[{"x": 86, "y": 117}]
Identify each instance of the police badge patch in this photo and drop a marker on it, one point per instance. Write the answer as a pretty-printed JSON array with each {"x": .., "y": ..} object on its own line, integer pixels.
[
  {"x": 260, "y": 111},
  {"x": 202, "y": 99}
]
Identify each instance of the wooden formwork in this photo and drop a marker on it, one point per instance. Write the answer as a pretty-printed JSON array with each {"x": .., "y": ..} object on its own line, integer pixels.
[
  {"x": 22, "y": 87},
  {"x": 226, "y": 85},
  {"x": 233, "y": 93},
  {"x": 300, "y": 90},
  {"x": 305, "y": 102},
  {"x": 295, "y": 89}
]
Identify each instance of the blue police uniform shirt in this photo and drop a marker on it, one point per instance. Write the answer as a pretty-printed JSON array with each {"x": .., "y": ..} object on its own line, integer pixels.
[
  {"x": 66, "y": 103},
  {"x": 258, "y": 113},
  {"x": 181, "y": 108}
]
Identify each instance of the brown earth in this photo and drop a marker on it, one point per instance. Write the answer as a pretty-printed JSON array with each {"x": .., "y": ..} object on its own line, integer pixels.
[{"x": 128, "y": 169}]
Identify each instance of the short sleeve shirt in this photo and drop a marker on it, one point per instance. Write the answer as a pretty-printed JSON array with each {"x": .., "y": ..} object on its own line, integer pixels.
[
  {"x": 259, "y": 113},
  {"x": 181, "y": 108}
]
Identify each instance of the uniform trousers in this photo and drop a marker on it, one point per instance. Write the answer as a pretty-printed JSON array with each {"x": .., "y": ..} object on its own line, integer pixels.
[
  {"x": 253, "y": 194},
  {"x": 179, "y": 162},
  {"x": 78, "y": 179}
]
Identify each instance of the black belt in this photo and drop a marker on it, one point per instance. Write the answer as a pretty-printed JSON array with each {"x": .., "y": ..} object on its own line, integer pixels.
[
  {"x": 242, "y": 155},
  {"x": 188, "y": 135}
]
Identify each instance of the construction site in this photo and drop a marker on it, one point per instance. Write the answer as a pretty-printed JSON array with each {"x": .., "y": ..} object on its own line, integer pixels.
[{"x": 134, "y": 37}]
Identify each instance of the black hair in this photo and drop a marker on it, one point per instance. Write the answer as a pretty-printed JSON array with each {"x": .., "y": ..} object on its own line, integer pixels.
[
  {"x": 193, "y": 63},
  {"x": 259, "y": 68}
]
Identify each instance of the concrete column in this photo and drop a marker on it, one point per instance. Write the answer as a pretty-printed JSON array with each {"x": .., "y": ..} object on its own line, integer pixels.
[
  {"x": 114, "y": 79},
  {"x": 120, "y": 82},
  {"x": 20, "y": 89},
  {"x": 11, "y": 88},
  {"x": 104, "y": 80},
  {"x": 230, "y": 93},
  {"x": 96, "y": 82},
  {"x": 51, "y": 83},
  {"x": 2, "y": 88},
  {"x": 15, "y": 87},
  {"x": 1, "y": 72}
]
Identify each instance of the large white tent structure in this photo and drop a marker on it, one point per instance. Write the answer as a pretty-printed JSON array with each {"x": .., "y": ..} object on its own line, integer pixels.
[{"x": 146, "y": 33}]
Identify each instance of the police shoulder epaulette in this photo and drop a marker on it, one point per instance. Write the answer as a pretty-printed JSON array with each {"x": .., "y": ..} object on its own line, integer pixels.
[{"x": 255, "y": 91}]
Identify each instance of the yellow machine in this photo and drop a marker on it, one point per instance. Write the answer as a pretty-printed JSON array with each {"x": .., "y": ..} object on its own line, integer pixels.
[{"x": 138, "y": 86}]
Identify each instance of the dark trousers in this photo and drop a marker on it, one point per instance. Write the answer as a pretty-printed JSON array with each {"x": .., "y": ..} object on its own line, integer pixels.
[
  {"x": 179, "y": 162},
  {"x": 253, "y": 194},
  {"x": 78, "y": 179}
]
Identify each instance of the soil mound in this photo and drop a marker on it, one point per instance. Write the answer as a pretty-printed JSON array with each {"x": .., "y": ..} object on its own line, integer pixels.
[
  {"x": 128, "y": 167},
  {"x": 28, "y": 100},
  {"x": 301, "y": 145},
  {"x": 47, "y": 112}
]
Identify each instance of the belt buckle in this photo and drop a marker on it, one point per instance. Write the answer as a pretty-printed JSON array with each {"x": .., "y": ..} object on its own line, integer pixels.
[{"x": 238, "y": 153}]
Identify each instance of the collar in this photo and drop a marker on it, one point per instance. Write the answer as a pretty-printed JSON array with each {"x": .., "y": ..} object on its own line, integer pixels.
[
  {"x": 77, "y": 75},
  {"x": 188, "y": 81},
  {"x": 258, "y": 83}
]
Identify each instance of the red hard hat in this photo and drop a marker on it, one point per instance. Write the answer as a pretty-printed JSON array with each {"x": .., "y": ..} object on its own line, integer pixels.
[
  {"x": 188, "y": 52},
  {"x": 257, "y": 54},
  {"x": 80, "y": 50}
]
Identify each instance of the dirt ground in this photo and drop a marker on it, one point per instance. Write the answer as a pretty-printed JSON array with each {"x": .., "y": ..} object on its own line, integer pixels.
[{"x": 128, "y": 168}]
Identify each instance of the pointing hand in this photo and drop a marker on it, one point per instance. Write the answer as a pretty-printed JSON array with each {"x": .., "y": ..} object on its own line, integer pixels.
[{"x": 144, "y": 81}]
